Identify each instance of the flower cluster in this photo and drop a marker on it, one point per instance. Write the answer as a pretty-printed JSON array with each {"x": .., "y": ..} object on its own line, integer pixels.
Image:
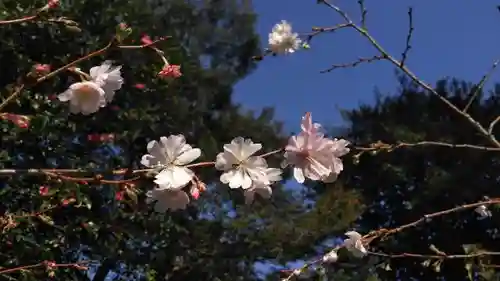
[
  {"x": 282, "y": 40},
  {"x": 88, "y": 96},
  {"x": 311, "y": 154}
]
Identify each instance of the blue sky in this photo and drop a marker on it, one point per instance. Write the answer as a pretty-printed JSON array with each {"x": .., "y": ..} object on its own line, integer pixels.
[{"x": 457, "y": 38}]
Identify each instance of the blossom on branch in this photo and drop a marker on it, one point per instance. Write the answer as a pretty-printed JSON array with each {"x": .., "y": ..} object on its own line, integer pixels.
[
  {"x": 170, "y": 71},
  {"x": 169, "y": 155},
  {"x": 108, "y": 77},
  {"x": 483, "y": 211},
  {"x": 282, "y": 40},
  {"x": 261, "y": 188},
  {"x": 167, "y": 199},
  {"x": 330, "y": 257},
  {"x": 314, "y": 156},
  {"x": 84, "y": 97},
  {"x": 354, "y": 244},
  {"x": 88, "y": 96},
  {"x": 240, "y": 167}
]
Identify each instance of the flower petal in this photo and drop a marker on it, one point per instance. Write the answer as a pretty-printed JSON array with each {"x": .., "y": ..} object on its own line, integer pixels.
[
  {"x": 298, "y": 174},
  {"x": 188, "y": 156}
]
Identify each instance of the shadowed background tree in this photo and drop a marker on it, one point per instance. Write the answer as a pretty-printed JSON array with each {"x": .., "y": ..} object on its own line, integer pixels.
[
  {"x": 401, "y": 186},
  {"x": 213, "y": 41}
]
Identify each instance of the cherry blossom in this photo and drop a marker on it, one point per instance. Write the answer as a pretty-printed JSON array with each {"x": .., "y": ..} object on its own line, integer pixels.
[
  {"x": 314, "y": 156},
  {"x": 108, "y": 78},
  {"x": 263, "y": 189},
  {"x": 84, "y": 97},
  {"x": 169, "y": 155},
  {"x": 330, "y": 257},
  {"x": 170, "y": 70},
  {"x": 354, "y": 244},
  {"x": 239, "y": 166},
  {"x": 282, "y": 40},
  {"x": 483, "y": 211},
  {"x": 165, "y": 199}
]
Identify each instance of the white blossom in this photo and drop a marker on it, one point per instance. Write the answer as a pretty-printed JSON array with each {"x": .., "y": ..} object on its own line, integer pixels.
[
  {"x": 167, "y": 199},
  {"x": 330, "y": 257},
  {"x": 170, "y": 155},
  {"x": 239, "y": 166},
  {"x": 483, "y": 211},
  {"x": 84, "y": 97},
  {"x": 314, "y": 156},
  {"x": 354, "y": 244},
  {"x": 282, "y": 40},
  {"x": 263, "y": 189},
  {"x": 108, "y": 77}
]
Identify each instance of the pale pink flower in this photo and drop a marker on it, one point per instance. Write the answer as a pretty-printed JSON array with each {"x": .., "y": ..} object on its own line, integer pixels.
[
  {"x": 314, "y": 156},
  {"x": 239, "y": 165},
  {"x": 170, "y": 155},
  {"x": 308, "y": 126},
  {"x": 354, "y": 244},
  {"x": 84, "y": 97},
  {"x": 165, "y": 199},
  {"x": 108, "y": 78},
  {"x": 263, "y": 188}
]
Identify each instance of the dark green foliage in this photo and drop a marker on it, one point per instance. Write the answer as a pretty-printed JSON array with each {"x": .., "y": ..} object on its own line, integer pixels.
[{"x": 127, "y": 237}]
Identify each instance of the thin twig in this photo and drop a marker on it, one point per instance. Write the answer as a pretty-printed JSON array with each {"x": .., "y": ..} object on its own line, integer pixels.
[
  {"x": 389, "y": 147},
  {"x": 408, "y": 37},
  {"x": 77, "y": 265},
  {"x": 363, "y": 13},
  {"x": 479, "y": 86},
  {"x": 440, "y": 257},
  {"x": 492, "y": 125},
  {"x": 382, "y": 233},
  {"x": 20, "y": 20},
  {"x": 319, "y": 30},
  {"x": 352, "y": 64}
]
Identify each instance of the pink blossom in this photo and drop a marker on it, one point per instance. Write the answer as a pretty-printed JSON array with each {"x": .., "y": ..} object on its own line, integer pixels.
[
  {"x": 22, "y": 121},
  {"x": 42, "y": 69},
  {"x": 53, "y": 4},
  {"x": 119, "y": 195},
  {"x": 44, "y": 190},
  {"x": 140, "y": 86},
  {"x": 170, "y": 70},
  {"x": 146, "y": 40},
  {"x": 314, "y": 156},
  {"x": 195, "y": 193}
]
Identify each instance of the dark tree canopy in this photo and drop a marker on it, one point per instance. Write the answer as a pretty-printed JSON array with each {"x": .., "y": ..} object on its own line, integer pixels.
[{"x": 213, "y": 41}]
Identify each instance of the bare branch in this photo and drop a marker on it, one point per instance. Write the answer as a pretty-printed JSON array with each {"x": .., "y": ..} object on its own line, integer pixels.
[
  {"x": 353, "y": 64},
  {"x": 439, "y": 257},
  {"x": 492, "y": 125},
  {"x": 383, "y": 233},
  {"x": 413, "y": 77},
  {"x": 479, "y": 86},
  {"x": 319, "y": 30},
  {"x": 408, "y": 36},
  {"x": 379, "y": 146}
]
